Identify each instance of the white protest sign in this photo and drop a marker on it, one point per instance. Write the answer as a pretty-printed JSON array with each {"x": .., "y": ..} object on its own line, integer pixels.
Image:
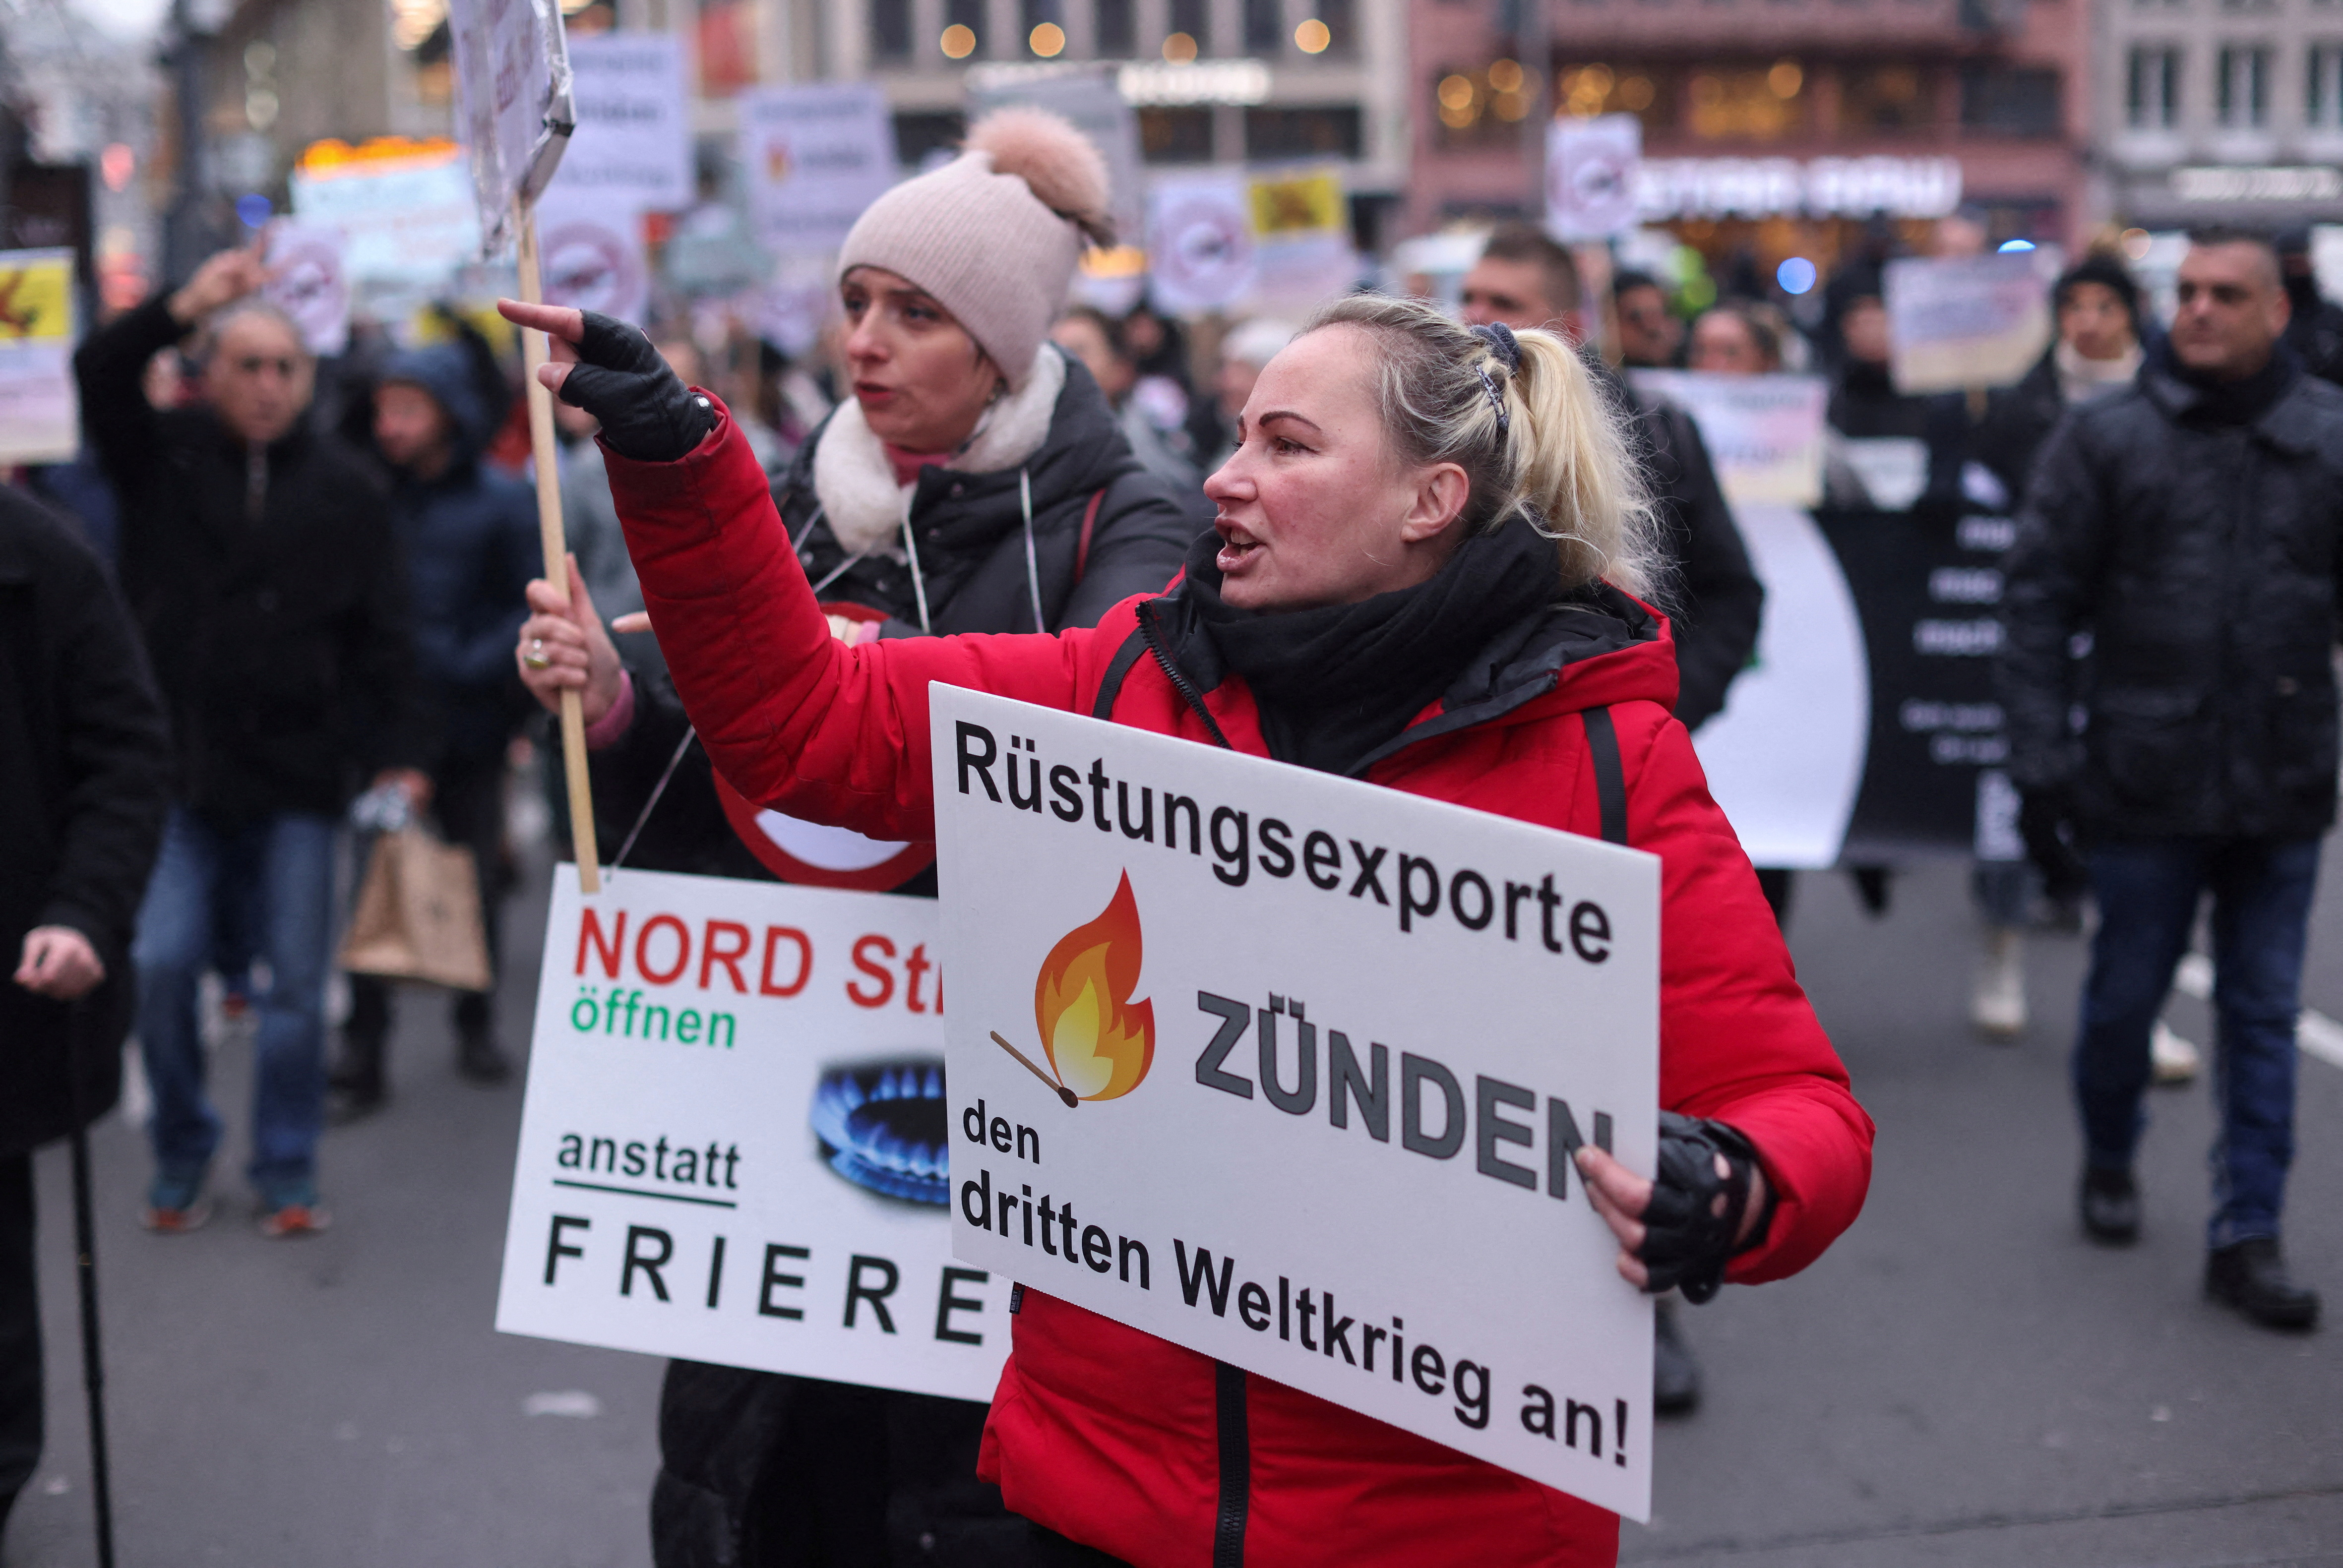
[
  {"x": 307, "y": 281},
  {"x": 1200, "y": 250},
  {"x": 815, "y": 156},
  {"x": 1591, "y": 175},
  {"x": 1763, "y": 433},
  {"x": 732, "y": 1147},
  {"x": 632, "y": 147},
  {"x": 1956, "y": 322},
  {"x": 1292, "y": 1050},
  {"x": 1302, "y": 253},
  {"x": 409, "y": 221},
  {"x": 592, "y": 255},
  {"x": 1784, "y": 759},
  {"x": 513, "y": 112},
  {"x": 39, "y": 408}
]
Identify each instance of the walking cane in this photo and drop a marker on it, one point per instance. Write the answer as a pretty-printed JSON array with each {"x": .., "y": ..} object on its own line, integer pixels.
[{"x": 92, "y": 1365}]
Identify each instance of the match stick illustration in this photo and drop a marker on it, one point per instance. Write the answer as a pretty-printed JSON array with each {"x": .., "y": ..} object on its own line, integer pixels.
[{"x": 1063, "y": 1092}]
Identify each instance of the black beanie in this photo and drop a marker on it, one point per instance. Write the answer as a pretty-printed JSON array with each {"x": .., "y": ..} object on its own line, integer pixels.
[{"x": 2107, "y": 272}]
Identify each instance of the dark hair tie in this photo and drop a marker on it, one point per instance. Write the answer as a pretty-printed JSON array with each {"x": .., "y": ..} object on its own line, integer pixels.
[
  {"x": 1508, "y": 353},
  {"x": 1502, "y": 343}
]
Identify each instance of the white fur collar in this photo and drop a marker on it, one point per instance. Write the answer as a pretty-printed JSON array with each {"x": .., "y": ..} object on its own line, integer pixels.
[{"x": 856, "y": 484}]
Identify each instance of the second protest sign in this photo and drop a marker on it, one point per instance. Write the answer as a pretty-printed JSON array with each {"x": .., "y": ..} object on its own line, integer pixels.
[{"x": 1287, "y": 1068}]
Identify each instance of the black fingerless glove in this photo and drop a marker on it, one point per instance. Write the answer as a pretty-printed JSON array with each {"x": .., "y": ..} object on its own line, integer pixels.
[
  {"x": 1686, "y": 1238},
  {"x": 2047, "y": 822},
  {"x": 646, "y": 412}
]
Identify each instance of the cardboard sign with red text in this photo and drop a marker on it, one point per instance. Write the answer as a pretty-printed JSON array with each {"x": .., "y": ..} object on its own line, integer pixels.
[
  {"x": 1288, "y": 1068},
  {"x": 733, "y": 1146}
]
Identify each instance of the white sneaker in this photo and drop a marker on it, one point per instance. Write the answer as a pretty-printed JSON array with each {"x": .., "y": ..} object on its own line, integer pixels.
[
  {"x": 1998, "y": 996},
  {"x": 2174, "y": 1059}
]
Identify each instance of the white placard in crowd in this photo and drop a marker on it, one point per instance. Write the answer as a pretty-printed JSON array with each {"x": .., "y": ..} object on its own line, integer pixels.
[
  {"x": 733, "y": 1145},
  {"x": 1964, "y": 321},
  {"x": 412, "y": 222},
  {"x": 1297, "y": 1064},
  {"x": 39, "y": 408},
  {"x": 815, "y": 156},
  {"x": 1303, "y": 254},
  {"x": 1199, "y": 249},
  {"x": 1591, "y": 175},
  {"x": 591, "y": 254},
  {"x": 1785, "y": 758},
  {"x": 513, "y": 111},
  {"x": 307, "y": 280},
  {"x": 1763, "y": 433},
  {"x": 632, "y": 147}
]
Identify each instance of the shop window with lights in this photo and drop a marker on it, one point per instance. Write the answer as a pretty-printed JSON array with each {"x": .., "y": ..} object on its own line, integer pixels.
[
  {"x": 890, "y": 29},
  {"x": 2010, "y": 100},
  {"x": 1484, "y": 107},
  {"x": 964, "y": 34},
  {"x": 1114, "y": 25},
  {"x": 1175, "y": 136},
  {"x": 2241, "y": 89},
  {"x": 727, "y": 46},
  {"x": 1646, "y": 91},
  {"x": 1747, "y": 103},
  {"x": 1332, "y": 30},
  {"x": 1335, "y": 132},
  {"x": 1264, "y": 26},
  {"x": 1885, "y": 99},
  {"x": 1192, "y": 31},
  {"x": 2152, "y": 88},
  {"x": 2322, "y": 86},
  {"x": 1044, "y": 29}
]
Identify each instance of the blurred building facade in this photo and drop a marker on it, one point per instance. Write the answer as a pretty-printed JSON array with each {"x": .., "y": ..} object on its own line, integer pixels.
[
  {"x": 2220, "y": 110},
  {"x": 1770, "y": 127}
]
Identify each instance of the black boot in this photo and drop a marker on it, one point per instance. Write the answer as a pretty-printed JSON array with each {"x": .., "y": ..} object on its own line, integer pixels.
[
  {"x": 2251, "y": 1276},
  {"x": 1675, "y": 1370},
  {"x": 478, "y": 1058},
  {"x": 2111, "y": 1206},
  {"x": 356, "y": 1083}
]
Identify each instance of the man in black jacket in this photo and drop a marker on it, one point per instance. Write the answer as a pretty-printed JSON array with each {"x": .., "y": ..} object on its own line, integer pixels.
[
  {"x": 84, "y": 778},
  {"x": 2190, "y": 525},
  {"x": 1524, "y": 279},
  {"x": 260, "y": 564}
]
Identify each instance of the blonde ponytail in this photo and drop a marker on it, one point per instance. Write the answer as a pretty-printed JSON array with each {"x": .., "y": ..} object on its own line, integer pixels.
[{"x": 1558, "y": 455}]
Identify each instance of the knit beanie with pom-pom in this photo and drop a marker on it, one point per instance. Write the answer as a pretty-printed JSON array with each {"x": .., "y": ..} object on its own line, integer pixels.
[{"x": 995, "y": 234}]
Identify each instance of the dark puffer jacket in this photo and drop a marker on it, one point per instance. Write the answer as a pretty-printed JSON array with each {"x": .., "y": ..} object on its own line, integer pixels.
[
  {"x": 471, "y": 545},
  {"x": 267, "y": 586},
  {"x": 2202, "y": 557},
  {"x": 759, "y": 1468},
  {"x": 84, "y": 783}
]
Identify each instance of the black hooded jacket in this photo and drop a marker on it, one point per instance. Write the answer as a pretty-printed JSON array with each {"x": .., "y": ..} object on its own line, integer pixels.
[
  {"x": 2198, "y": 535},
  {"x": 267, "y": 586}
]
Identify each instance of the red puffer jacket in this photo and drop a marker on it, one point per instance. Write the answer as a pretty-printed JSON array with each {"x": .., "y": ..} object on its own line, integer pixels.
[{"x": 1111, "y": 1436}]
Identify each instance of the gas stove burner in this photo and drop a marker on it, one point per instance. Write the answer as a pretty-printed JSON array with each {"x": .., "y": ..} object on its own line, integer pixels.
[{"x": 883, "y": 1126}]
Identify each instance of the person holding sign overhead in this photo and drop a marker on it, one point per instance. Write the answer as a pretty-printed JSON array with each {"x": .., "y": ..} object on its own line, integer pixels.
[
  {"x": 1423, "y": 574},
  {"x": 975, "y": 479}
]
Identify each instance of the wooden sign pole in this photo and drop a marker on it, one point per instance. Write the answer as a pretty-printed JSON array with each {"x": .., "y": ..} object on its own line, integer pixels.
[{"x": 534, "y": 354}]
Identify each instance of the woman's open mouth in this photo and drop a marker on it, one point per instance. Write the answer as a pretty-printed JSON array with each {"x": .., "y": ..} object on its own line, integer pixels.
[{"x": 1237, "y": 546}]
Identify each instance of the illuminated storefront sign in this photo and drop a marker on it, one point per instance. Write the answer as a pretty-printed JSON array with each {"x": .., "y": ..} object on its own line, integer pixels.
[
  {"x": 1821, "y": 188},
  {"x": 2310, "y": 181}
]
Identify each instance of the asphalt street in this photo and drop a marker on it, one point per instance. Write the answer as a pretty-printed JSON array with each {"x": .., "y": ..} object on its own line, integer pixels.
[{"x": 1963, "y": 1380}]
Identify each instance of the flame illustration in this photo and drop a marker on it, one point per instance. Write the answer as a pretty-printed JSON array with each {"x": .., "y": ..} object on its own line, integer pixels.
[{"x": 1100, "y": 1042}]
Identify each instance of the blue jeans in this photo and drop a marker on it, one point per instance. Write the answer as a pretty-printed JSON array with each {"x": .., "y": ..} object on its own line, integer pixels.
[
  {"x": 2146, "y": 894},
  {"x": 280, "y": 868}
]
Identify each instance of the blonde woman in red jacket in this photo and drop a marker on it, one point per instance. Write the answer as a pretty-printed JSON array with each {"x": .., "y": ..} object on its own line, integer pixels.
[{"x": 1423, "y": 574}]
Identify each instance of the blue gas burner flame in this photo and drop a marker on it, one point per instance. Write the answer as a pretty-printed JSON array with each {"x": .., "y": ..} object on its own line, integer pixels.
[{"x": 883, "y": 1126}]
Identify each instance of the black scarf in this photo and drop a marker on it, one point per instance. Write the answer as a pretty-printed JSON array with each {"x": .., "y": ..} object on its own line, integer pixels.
[
  {"x": 1336, "y": 681},
  {"x": 2238, "y": 402}
]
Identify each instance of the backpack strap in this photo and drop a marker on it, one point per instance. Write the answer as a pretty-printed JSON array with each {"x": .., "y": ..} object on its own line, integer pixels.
[
  {"x": 1117, "y": 670},
  {"x": 1610, "y": 778},
  {"x": 1083, "y": 548}
]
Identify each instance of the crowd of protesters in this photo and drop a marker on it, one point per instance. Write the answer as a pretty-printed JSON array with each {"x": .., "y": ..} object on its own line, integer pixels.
[{"x": 304, "y": 604}]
